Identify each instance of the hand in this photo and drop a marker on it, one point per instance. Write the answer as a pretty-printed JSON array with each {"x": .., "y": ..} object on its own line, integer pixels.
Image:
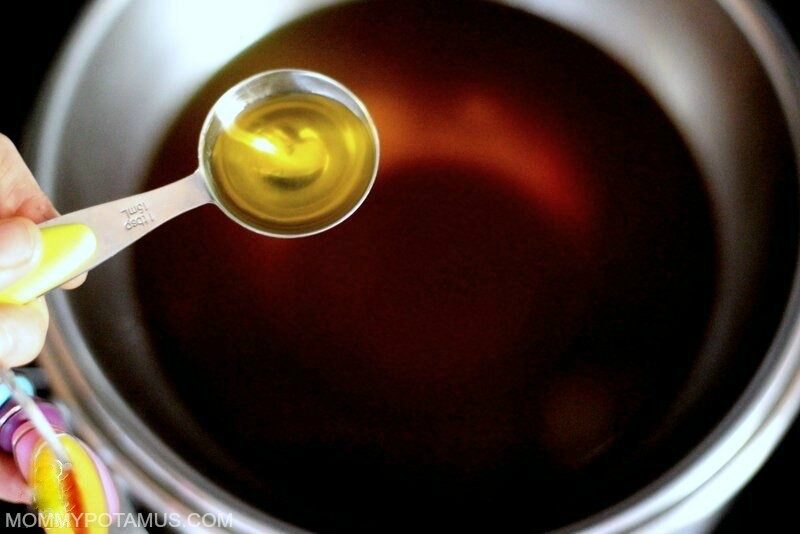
[{"x": 22, "y": 328}]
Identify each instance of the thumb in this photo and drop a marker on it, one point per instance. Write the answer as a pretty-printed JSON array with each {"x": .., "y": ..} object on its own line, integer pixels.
[{"x": 20, "y": 248}]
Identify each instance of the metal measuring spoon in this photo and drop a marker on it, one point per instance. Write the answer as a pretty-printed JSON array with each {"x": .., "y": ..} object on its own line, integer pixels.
[{"x": 79, "y": 241}]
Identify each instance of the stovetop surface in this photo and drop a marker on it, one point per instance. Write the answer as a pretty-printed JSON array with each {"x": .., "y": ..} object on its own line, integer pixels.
[{"x": 26, "y": 54}]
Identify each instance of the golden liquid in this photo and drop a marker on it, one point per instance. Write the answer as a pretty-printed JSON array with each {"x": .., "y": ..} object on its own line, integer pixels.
[
  {"x": 294, "y": 163},
  {"x": 471, "y": 341}
]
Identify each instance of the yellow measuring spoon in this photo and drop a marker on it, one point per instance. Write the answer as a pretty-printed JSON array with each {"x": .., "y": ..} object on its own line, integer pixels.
[{"x": 285, "y": 153}]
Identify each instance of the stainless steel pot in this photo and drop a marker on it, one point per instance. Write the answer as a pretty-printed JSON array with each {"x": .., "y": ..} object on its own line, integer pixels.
[{"x": 723, "y": 71}]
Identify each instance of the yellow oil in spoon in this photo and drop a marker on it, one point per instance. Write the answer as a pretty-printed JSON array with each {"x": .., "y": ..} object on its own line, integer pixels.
[{"x": 293, "y": 162}]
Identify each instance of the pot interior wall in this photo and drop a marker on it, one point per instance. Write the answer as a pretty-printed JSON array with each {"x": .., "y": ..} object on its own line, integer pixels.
[{"x": 696, "y": 240}]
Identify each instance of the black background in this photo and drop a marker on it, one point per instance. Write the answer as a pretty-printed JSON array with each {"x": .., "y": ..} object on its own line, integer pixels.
[{"x": 31, "y": 34}]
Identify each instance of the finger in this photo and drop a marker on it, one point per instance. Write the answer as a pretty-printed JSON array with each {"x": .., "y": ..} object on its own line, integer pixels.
[
  {"x": 22, "y": 331},
  {"x": 12, "y": 486},
  {"x": 19, "y": 193},
  {"x": 75, "y": 282},
  {"x": 20, "y": 249}
]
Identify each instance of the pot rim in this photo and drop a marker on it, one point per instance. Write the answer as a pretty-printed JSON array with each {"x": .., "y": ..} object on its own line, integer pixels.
[{"x": 702, "y": 482}]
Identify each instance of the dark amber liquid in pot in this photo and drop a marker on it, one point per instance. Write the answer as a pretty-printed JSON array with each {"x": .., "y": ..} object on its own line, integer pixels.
[{"x": 493, "y": 337}]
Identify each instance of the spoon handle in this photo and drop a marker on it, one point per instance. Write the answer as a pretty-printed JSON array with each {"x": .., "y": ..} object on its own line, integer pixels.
[{"x": 77, "y": 242}]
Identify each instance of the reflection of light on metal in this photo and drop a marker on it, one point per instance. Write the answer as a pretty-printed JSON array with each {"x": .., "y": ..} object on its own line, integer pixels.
[
  {"x": 262, "y": 145},
  {"x": 226, "y": 111},
  {"x": 207, "y": 33},
  {"x": 275, "y": 153}
]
